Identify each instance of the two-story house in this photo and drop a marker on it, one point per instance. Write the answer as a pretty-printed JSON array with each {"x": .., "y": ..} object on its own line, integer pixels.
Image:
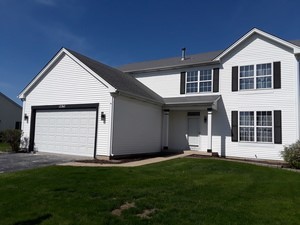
[
  {"x": 10, "y": 113},
  {"x": 240, "y": 102}
]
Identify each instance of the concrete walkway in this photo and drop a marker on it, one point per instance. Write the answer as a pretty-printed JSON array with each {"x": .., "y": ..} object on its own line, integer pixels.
[
  {"x": 187, "y": 153},
  {"x": 139, "y": 162}
]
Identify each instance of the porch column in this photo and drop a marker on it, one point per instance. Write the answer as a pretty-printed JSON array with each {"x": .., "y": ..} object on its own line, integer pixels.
[
  {"x": 209, "y": 130},
  {"x": 165, "y": 132}
]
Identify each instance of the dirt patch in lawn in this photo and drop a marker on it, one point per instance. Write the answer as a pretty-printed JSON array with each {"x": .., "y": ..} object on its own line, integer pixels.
[
  {"x": 125, "y": 206},
  {"x": 147, "y": 213}
]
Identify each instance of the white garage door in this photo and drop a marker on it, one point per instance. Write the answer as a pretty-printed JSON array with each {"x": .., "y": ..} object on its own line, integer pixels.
[{"x": 66, "y": 131}]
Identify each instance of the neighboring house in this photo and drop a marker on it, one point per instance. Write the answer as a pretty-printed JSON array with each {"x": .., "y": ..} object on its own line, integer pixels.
[
  {"x": 10, "y": 113},
  {"x": 240, "y": 102}
]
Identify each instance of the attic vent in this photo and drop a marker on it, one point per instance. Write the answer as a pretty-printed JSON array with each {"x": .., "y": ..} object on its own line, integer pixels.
[{"x": 183, "y": 54}]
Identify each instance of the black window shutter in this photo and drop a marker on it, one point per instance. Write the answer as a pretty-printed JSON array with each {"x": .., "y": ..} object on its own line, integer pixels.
[
  {"x": 277, "y": 127},
  {"x": 235, "y": 78},
  {"x": 234, "y": 126},
  {"x": 182, "y": 83},
  {"x": 277, "y": 75},
  {"x": 216, "y": 80}
]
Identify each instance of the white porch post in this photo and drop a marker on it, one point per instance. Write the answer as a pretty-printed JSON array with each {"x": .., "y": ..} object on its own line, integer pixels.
[
  {"x": 165, "y": 133},
  {"x": 209, "y": 130}
]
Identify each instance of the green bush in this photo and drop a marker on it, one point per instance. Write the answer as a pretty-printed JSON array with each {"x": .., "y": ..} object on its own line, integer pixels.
[
  {"x": 12, "y": 137},
  {"x": 291, "y": 154}
]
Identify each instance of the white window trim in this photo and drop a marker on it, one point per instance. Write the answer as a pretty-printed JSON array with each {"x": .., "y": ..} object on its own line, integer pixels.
[
  {"x": 255, "y": 76},
  {"x": 255, "y": 126},
  {"x": 198, "y": 82}
]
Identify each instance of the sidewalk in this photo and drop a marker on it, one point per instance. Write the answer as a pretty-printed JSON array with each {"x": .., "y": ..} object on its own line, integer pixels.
[
  {"x": 188, "y": 153},
  {"x": 139, "y": 162}
]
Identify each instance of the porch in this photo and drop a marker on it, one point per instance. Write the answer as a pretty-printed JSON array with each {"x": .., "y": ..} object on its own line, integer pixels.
[{"x": 188, "y": 121}]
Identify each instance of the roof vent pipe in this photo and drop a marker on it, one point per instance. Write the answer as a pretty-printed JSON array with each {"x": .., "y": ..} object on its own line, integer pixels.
[{"x": 183, "y": 54}]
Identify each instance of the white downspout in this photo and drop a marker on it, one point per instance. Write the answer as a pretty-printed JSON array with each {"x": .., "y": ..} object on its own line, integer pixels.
[
  {"x": 298, "y": 97},
  {"x": 112, "y": 126}
]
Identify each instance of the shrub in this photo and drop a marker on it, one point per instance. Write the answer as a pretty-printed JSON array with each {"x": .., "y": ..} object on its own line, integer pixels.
[
  {"x": 12, "y": 137},
  {"x": 291, "y": 154}
]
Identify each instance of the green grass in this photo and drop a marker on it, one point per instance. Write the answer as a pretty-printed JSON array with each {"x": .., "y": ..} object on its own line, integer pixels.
[
  {"x": 184, "y": 191},
  {"x": 4, "y": 147}
]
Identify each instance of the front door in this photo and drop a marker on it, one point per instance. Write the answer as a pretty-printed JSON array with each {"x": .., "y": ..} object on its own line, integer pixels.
[{"x": 194, "y": 131}]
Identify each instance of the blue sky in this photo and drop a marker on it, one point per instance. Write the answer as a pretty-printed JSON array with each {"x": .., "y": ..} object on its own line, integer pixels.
[{"x": 120, "y": 32}]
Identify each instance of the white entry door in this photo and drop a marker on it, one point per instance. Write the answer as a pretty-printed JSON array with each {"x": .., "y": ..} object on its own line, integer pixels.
[
  {"x": 66, "y": 131},
  {"x": 194, "y": 131}
]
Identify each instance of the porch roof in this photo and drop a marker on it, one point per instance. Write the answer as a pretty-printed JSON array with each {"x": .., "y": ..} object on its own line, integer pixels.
[{"x": 208, "y": 101}]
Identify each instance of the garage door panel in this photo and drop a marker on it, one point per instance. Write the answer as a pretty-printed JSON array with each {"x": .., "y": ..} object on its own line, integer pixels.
[{"x": 66, "y": 131}]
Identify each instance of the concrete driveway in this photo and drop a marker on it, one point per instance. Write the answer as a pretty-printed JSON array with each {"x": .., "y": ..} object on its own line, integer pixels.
[{"x": 21, "y": 161}]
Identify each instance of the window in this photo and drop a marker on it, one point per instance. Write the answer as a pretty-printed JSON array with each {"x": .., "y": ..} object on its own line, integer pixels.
[
  {"x": 256, "y": 126},
  {"x": 264, "y": 126},
  {"x": 205, "y": 81},
  {"x": 192, "y": 81},
  {"x": 246, "y": 126},
  {"x": 199, "y": 81},
  {"x": 263, "y": 76},
  {"x": 256, "y": 77},
  {"x": 246, "y": 77}
]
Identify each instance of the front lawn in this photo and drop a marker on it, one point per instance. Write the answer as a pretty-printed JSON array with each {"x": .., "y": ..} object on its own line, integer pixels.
[
  {"x": 4, "y": 147},
  {"x": 181, "y": 191}
]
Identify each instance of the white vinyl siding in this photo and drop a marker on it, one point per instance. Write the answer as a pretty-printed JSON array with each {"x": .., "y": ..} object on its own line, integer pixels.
[
  {"x": 68, "y": 83},
  {"x": 258, "y": 50},
  {"x": 137, "y": 127}
]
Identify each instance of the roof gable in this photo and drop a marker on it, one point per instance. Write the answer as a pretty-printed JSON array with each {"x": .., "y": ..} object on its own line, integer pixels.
[
  {"x": 294, "y": 46},
  {"x": 114, "y": 79}
]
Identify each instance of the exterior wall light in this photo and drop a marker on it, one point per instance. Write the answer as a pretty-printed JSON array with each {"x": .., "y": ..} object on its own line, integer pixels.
[
  {"x": 26, "y": 117},
  {"x": 103, "y": 116}
]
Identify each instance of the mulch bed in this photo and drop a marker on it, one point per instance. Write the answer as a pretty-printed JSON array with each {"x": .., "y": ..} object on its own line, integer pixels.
[
  {"x": 128, "y": 159},
  {"x": 265, "y": 162}
]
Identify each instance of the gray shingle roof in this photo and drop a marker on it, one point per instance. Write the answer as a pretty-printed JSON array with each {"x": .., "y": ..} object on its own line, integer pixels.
[
  {"x": 197, "y": 59},
  {"x": 171, "y": 62},
  {"x": 295, "y": 42},
  {"x": 119, "y": 80}
]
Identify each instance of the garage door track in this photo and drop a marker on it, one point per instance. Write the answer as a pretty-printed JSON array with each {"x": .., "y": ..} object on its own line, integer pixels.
[{"x": 21, "y": 161}]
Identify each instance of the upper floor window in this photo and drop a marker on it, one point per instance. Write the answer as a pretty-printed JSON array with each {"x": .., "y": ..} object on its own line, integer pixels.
[
  {"x": 263, "y": 76},
  {"x": 198, "y": 81},
  {"x": 256, "y": 77},
  {"x": 246, "y": 77}
]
